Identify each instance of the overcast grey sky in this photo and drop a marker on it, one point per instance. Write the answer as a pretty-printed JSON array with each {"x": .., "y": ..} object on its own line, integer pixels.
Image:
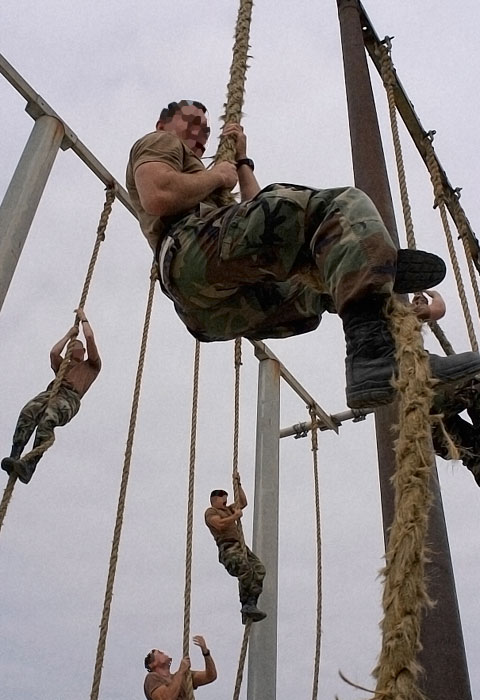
[{"x": 107, "y": 69}]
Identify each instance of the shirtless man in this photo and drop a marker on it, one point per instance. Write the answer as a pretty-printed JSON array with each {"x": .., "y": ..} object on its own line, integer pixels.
[{"x": 80, "y": 375}]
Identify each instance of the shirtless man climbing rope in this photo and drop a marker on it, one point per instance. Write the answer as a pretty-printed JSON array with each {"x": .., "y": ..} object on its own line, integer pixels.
[
  {"x": 160, "y": 684},
  {"x": 80, "y": 375},
  {"x": 270, "y": 265}
]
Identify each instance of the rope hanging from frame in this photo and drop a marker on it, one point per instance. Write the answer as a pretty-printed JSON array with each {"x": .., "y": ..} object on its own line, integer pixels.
[
  {"x": 123, "y": 493},
  {"x": 40, "y": 449},
  {"x": 318, "y": 633}
]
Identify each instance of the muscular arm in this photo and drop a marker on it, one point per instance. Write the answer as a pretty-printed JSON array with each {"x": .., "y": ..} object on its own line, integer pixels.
[
  {"x": 164, "y": 191},
  {"x": 248, "y": 183},
  {"x": 92, "y": 350},
  {"x": 56, "y": 352},
  {"x": 221, "y": 524},
  {"x": 209, "y": 674},
  {"x": 171, "y": 691}
]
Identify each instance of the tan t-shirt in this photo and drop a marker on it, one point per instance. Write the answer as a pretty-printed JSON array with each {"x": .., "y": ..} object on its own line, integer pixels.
[
  {"x": 231, "y": 533},
  {"x": 160, "y": 147},
  {"x": 155, "y": 680},
  {"x": 81, "y": 375}
]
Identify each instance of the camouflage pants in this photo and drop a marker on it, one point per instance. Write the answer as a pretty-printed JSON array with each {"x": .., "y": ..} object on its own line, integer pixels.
[
  {"x": 269, "y": 267},
  {"x": 249, "y": 571},
  {"x": 37, "y": 414}
]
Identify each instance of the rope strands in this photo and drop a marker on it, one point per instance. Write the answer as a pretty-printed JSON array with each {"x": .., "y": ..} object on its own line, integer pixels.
[
  {"x": 318, "y": 634},
  {"x": 241, "y": 661},
  {"x": 123, "y": 492},
  {"x": 189, "y": 537},
  {"x": 436, "y": 179},
  {"x": 405, "y": 596},
  {"x": 236, "y": 433},
  {"x": 7, "y": 495},
  {"x": 463, "y": 231}
]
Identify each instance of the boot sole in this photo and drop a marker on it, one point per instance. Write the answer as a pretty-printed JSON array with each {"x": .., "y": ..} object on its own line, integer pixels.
[
  {"x": 371, "y": 398},
  {"x": 417, "y": 271}
]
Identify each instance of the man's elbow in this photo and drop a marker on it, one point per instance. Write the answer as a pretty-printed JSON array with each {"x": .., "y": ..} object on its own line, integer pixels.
[{"x": 158, "y": 205}]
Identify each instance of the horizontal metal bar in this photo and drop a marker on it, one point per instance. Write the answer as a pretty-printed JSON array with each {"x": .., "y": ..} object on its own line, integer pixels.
[
  {"x": 262, "y": 351},
  {"x": 37, "y": 106},
  {"x": 300, "y": 430}
]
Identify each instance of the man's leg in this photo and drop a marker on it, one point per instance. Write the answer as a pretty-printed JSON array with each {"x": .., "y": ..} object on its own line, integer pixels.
[
  {"x": 240, "y": 566},
  {"x": 61, "y": 410},
  {"x": 26, "y": 423}
]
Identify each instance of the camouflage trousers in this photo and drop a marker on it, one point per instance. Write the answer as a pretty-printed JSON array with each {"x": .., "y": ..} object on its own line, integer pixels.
[
  {"x": 270, "y": 266},
  {"x": 37, "y": 414},
  {"x": 249, "y": 571}
]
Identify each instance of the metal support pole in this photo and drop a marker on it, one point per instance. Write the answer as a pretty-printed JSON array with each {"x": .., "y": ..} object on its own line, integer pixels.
[
  {"x": 262, "y": 655},
  {"x": 443, "y": 656},
  {"x": 23, "y": 194}
]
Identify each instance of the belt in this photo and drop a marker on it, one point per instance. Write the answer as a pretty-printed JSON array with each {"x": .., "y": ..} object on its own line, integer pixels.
[{"x": 228, "y": 542}]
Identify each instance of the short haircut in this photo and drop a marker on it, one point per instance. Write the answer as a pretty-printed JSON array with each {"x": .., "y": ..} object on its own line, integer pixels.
[
  {"x": 148, "y": 660},
  {"x": 172, "y": 108},
  {"x": 218, "y": 492}
]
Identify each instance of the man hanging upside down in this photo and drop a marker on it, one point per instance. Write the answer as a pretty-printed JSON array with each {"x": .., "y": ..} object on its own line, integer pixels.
[
  {"x": 160, "y": 684},
  {"x": 80, "y": 375},
  {"x": 222, "y": 521},
  {"x": 270, "y": 265}
]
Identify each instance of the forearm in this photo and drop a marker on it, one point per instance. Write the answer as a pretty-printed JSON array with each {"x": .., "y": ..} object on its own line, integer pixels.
[
  {"x": 92, "y": 350},
  {"x": 180, "y": 192},
  {"x": 248, "y": 183},
  {"x": 242, "y": 499},
  {"x": 210, "y": 669}
]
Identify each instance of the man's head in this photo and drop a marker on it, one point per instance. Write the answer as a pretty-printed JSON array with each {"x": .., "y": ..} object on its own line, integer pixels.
[
  {"x": 157, "y": 660},
  {"x": 188, "y": 120},
  {"x": 78, "y": 351},
  {"x": 218, "y": 498}
]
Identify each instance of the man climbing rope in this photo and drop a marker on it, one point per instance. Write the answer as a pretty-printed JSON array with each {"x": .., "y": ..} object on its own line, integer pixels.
[
  {"x": 79, "y": 376},
  {"x": 451, "y": 401},
  {"x": 160, "y": 684},
  {"x": 222, "y": 521},
  {"x": 428, "y": 311},
  {"x": 269, "y": 266}
]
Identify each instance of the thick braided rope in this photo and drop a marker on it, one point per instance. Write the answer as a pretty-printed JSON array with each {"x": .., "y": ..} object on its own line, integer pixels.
[
  {"x": 235, "y": 88},
  {"x": 236, "y": 433},
  {"x": 122, "y": 495},
  {"x": 241, "y": 660},
  {"x": 388, "y": 78},
  {"x": 318, "y": 633},
  {"x": 102, "y": 225},
  {"x": 405, "y": 595},
  {"x": 462, "y": 228},
  {"x": 189, "y": 537},
  {"x": 439, "y": 194}
]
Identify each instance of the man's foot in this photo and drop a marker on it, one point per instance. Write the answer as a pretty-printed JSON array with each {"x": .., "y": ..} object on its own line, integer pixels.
[
  {"x": 7, "y": 465},
  {"x": 251, "y": 612},
  {"x": 417, "y": 270},
  {"x": 24, "y": 470},
  {"x": 455, "y": 368}
]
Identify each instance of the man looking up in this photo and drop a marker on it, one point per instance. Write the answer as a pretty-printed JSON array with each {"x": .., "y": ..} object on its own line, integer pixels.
[{"x": 269, "y": 266}]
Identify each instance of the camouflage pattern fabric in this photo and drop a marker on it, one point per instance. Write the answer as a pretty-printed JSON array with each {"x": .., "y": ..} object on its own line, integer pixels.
[
  {"x": 269, "y": 267},
  {"x": 249, "y": 571},
  {"x": 37, "y": 414}
]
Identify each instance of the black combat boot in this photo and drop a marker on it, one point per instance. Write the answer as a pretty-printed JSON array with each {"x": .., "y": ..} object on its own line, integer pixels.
[
  {"x": 7, "y": 462},
  {"x": 251, "y": 612},
  {"x": 370, "y": 359}
]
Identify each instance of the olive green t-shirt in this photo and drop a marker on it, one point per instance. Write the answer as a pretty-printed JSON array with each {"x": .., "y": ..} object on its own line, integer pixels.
[
  {"x": 231, "y": 533},
  {"x": 155, "y": 680},
  {"x": 160, "y": 147}
]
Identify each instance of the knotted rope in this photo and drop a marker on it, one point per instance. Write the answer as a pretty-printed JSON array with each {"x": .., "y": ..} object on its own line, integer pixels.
[{"x": 122, "y": 495}]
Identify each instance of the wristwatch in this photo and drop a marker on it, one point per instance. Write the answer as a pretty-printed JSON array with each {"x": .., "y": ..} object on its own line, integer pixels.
[{"x": 246, "y": 161}]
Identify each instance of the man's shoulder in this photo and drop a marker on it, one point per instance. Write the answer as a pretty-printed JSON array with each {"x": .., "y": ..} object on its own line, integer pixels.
[
  {"x": 222, "y": 512},
  {"x": 156, "y": 139}
]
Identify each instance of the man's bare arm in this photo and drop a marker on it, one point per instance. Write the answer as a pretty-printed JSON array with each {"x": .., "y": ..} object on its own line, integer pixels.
[
  {"x": 221, "y": 524},
  {"x": 247, "y": 181},
  {"x": 163, "y": 191},
  {"x": 437, "y": 307},
  {"x": 209, "y": 674},
  {"x": 92, "y": 350},
  {"x": 242, "y": 499},
  {"x": 171, "y": 691},
  {"x": 56, "y": 352}
]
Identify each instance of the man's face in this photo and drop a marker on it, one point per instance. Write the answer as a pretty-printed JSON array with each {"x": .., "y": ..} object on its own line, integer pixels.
[
  {"x": 191, "y": 125},
  {"x": 419, "y": 301},
  {"x": 219, "y": 501},
  {"x": 78, "y": 352},
  {"x": 160, "y": 658}
]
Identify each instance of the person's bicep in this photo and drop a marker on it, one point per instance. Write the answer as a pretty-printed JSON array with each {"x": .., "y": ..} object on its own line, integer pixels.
[{"x": 152, "y": 180}]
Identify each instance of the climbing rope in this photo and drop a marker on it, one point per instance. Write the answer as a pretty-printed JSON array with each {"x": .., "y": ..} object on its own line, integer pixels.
[
  {"x": 241, "y": 661},
  {"x": 463, "y": 231},
  {"x": 318, "y": 634},
  {"x": 40, "y": 449},
  {"x": 235, "y": 89},
  {"x": 123, "y": 492},
  {"x": 405, "y": 596},
  {"x": 236, "y": 433},
  {"x": 439, "y": 194}
]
